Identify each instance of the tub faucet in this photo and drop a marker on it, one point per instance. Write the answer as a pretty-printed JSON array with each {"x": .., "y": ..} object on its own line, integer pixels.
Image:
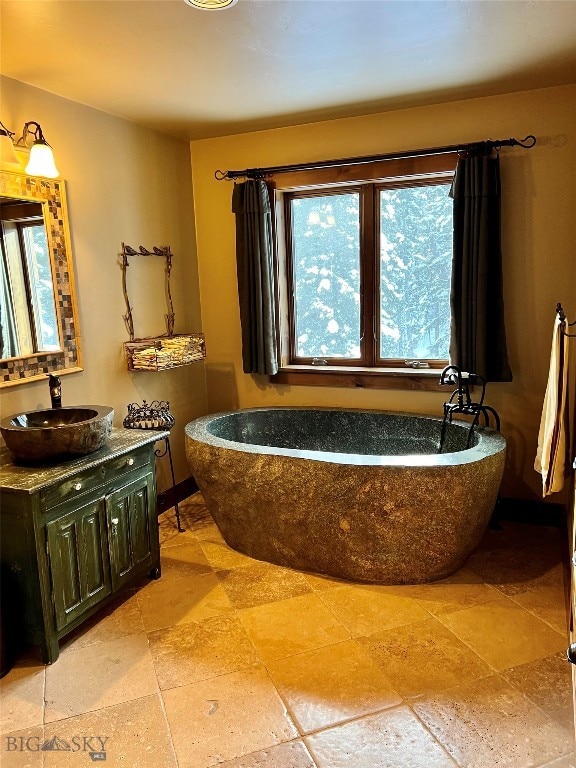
[
  {"x": 464, "y": 404},
  {"x": 55, "y": 390}
]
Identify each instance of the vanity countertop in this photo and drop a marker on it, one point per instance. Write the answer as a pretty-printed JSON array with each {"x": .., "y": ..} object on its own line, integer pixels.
[{"x": 30, "y": 479}]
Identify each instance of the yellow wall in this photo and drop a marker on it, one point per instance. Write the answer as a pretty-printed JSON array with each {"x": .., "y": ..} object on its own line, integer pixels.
[
  {"x": 538, "y": 243},
  {"x": 124, "y": 183}
]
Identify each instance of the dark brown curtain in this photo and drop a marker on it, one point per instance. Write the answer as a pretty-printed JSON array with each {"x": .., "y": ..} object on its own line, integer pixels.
[
  {"x": 255, "y": 271},
  {"x": 478, "y": 337}
]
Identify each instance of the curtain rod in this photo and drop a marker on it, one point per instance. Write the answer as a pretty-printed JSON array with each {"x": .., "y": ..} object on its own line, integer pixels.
[{"x": 259, "y": 173}]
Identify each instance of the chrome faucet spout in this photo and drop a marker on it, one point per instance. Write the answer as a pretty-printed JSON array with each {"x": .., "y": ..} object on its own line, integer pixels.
[{"x": 55, "y": 391}]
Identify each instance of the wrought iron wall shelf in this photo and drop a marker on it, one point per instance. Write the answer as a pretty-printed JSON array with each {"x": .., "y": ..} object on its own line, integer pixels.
[{"x": 169, "y": 350}]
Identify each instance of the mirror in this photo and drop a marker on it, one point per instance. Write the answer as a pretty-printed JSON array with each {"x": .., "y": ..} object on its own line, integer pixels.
[
  {"x": 38, "y": 314},
  {"x": 28, "y": 321}
]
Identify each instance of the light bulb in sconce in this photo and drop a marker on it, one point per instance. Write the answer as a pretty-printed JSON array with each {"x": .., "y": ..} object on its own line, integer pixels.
[
  {"x": 211, "y": 5},
  {"x": 41, "y": 161}
]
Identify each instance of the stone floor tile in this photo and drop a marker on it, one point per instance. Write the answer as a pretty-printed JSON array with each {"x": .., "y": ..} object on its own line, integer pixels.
[
  {"x": 548, "y": 683},
  {"x": 164, "y": 603},
  {"x": 22, "y": 749},
  {"x": 222, "y": 557},
  {"x": 22, "y": 697},
  {"x": 504, "y": 634},
  {"x": 461, "y": 590},
  {"x": 423, "y": 657},
  {"x": 226, "y": 717},
  {"x": 100, "y": 675},
  {"x": 366, "y": 609},
  {"x": 184, "y": 560},
  {"x": 330, "y": 685},
  {"x": 318, "y": 582},
  {"x": 392, "y": 739},
  {"x": 208, "y": 531},
  {"x": 489, "y": 723},
  {"x": 118, "y": 618},
  {"x": 186, "y": 653},
  {"x": 194, "y": 517},
  {"x": 167, "y": 531},
  {"x": 260, "y": 583},
  {"x": 287, "y": 627},
  {"x": 549, "y": 603},
  {"x": 513, "y": 571},
  {"x": 568, "y": 761},
  {"x": 170, "y": 536},
  {"x": 292, "y": 754},
  {"x": 136, "y": 733}
]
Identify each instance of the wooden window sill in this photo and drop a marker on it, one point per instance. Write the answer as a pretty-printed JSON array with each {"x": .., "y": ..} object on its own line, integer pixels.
[{"x": 417, "y": 379}]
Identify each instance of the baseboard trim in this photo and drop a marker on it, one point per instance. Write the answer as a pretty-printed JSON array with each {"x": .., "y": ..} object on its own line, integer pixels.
[
  {"x": 532, "y": 512},
  {"x": 172, "y": 496}
]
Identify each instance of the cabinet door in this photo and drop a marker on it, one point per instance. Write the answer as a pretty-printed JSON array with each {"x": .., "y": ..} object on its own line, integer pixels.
[
  {"x": 79, "y": 571},
  {"x": 130, "y": 514}
]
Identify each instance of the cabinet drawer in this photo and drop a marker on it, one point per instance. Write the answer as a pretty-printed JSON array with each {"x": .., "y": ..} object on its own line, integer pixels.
[{"x": 94, "y": 477}]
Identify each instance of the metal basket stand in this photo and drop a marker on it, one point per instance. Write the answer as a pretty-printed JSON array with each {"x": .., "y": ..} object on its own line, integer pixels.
[{"x": 155, "y": 416}]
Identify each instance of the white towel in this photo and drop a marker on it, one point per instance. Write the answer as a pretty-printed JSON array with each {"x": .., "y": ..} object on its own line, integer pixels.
[{"x": 551, "y": 455}]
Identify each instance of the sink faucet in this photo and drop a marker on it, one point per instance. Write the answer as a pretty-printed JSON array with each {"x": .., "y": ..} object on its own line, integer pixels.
[{"x": 55, "y": 390}]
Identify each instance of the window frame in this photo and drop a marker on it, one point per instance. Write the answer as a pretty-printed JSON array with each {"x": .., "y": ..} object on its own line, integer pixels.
[{"x": 369, "y": 371}]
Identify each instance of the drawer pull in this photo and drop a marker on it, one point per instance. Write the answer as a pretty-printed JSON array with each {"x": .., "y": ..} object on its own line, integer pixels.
[
  {"x": 130, "y": 462},
  {"x": 77, "y": 486},
  {"x": 114, "y": 521},
  {"x": 571, "y": 653}
]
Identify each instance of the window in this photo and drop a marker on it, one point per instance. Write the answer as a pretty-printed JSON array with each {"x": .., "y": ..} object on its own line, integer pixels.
[
  {"x": 364, "y": 268},
  {"x": 27, "y": 311}
]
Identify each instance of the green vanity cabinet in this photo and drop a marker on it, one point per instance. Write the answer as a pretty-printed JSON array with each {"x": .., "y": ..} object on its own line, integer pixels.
[
  {"x": 73, "y": 535},
  {"x": 78, "y": 561}
]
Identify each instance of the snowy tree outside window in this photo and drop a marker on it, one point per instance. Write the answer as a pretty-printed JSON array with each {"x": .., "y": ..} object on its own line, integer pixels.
[{"x": 401, "y": 250}]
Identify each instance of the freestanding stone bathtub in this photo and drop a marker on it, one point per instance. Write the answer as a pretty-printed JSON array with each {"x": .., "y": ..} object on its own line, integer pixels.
[{"x": 361, "y": 495}]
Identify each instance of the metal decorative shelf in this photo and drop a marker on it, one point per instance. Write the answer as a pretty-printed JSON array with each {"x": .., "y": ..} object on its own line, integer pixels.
[
  {"x": 166, "y": 351},
  {"x": 155, "y": 416}
]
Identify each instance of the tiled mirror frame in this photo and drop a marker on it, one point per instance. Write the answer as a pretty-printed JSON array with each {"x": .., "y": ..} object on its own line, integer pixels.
[{"x": 51, "y": 193}]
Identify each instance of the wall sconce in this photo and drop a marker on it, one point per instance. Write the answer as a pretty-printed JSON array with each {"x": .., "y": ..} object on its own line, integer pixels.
[{"x": 41, "y": 160}]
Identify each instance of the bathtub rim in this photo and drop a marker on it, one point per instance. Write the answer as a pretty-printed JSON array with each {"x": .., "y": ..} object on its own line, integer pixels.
[{"x": 489, "y": 442}]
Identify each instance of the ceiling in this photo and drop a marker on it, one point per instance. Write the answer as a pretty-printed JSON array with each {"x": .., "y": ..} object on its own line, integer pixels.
[{"x": 269, "y": 63}]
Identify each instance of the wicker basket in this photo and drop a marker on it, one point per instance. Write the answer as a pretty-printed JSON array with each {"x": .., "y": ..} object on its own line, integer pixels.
[{"x": 163, "y": 352}]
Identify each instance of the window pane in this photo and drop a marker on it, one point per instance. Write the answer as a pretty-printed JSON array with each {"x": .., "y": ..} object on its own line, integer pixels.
[
  {"x": 41, "y": 290},
  {"x": 415, "y": 266},
  {"x": 326, "y": 252},
  {"x": 16, "y": 328}
]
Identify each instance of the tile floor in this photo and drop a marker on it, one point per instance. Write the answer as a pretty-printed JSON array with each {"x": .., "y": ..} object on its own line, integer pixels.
[{"x": 233, "y": 662}]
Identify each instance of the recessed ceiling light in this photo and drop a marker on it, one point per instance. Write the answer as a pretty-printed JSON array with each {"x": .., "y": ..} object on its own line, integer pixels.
[{"x": 211, "y": 5}]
